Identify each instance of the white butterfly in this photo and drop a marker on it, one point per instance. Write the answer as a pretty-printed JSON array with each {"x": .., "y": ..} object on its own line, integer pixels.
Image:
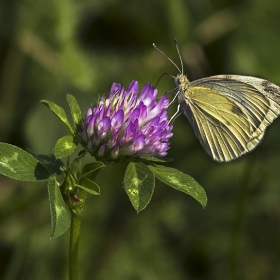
[{"x": 229, "y": 113}]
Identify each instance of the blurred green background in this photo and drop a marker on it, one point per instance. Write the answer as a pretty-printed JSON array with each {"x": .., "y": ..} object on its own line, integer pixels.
[{"x": 51, "y": 48}]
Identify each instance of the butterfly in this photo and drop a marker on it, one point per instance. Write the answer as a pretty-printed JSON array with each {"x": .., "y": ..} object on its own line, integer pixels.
[{"x": 228, "y": 113}]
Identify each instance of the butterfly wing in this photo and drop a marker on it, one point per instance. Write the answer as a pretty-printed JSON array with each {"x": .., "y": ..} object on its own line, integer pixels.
[{"x": 229, "y": 113}]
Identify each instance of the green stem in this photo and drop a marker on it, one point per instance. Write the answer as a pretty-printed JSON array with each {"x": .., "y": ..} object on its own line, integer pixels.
[{"x": 74, "y": 246}]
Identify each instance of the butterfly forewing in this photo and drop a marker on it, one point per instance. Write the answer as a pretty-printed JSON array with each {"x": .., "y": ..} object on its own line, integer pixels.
[
  {"x": 229, "y": 113},
  {"x": 220, "y": 125},
  {"x": 219, "y": 142},
  {"x": 255, "y": 104}
]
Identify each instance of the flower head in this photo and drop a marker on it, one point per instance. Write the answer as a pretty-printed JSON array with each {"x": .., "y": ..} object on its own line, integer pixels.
[{"x": 127, "y": 124}]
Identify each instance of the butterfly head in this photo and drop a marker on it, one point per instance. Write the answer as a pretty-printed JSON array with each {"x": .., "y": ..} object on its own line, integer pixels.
[{"x": 181, "y": 81}]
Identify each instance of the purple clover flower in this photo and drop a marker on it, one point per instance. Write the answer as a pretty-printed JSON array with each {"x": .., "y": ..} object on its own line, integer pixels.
[{"x": 127, "y": 124}]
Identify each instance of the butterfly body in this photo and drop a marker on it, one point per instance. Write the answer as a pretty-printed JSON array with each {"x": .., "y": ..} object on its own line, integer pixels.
[{"x": 229, "y": 113}]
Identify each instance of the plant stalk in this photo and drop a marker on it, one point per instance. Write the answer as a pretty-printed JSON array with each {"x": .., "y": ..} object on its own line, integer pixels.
[{"x": 74, "y": 245}]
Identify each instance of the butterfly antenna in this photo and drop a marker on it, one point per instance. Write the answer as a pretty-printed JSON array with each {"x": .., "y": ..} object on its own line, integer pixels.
[
  {"x": 154, "y": 45},
  {"x": 181, "y": 61}
]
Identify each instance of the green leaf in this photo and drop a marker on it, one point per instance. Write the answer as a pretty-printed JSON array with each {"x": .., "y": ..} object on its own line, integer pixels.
[
  {"x": 89, "y": 186},
  {"x": 76, "y": 165},
  {"x": 139, "y": 183},
  {"x": 60, "y": 213},
  {"x": 156, "y": 159},
  {"x": 65, "y": 146},
  {"x": 50, "y": 161},
  {"x": 59, "y": 112},
  {"x": 180, "y": 182},
  {"x": 20, "y": 165},
  {"x": 75, "y": 109},
  {"x": 91, "y": 170}
]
